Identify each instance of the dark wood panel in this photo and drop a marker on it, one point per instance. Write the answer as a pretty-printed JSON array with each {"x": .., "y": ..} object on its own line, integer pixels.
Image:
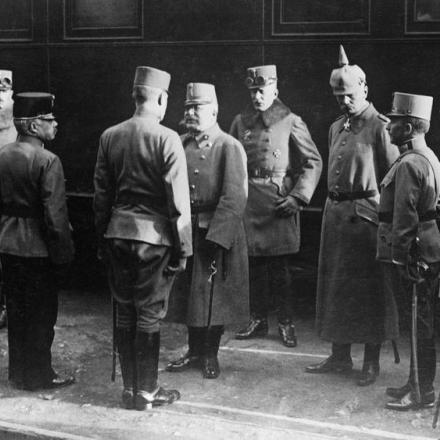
[
  {"x": 103, "y": 19},
  {"x": 16, "y": 19},
  {"x": 203, "y": 20},
  {"x": 320, "y": 17},
  {"x": 422, "y": 17}
]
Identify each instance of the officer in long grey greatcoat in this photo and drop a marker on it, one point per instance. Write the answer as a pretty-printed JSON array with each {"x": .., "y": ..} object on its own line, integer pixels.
[
  {"x": 352, "y": 306},
  {"x": 284, "y": 167},
  {"x": 217, "y": 290},
  {"x": 408, "y": 243},
  {"x": 142, "y": 217}
]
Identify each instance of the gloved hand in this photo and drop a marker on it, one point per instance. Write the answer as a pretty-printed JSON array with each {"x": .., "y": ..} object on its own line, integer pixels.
[{"x": 288, "y": 206}]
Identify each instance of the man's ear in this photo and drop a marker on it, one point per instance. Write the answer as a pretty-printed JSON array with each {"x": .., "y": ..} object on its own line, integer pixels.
[
  {"x": 408, "y": 128},
  {"x": 33, "y": 127},
  {"x": 275, "y": 93}
]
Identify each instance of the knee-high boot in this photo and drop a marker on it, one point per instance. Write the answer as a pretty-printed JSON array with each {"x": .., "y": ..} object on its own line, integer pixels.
[
  {"x": 148, "y": 393},
  {"x": 210, "y": 364},
  {"x": 125, "y": 343},
  {"x": 370, "y": 368}
]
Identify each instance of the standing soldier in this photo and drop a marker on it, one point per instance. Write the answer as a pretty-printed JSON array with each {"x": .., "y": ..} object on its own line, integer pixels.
[
  {"x": 218, "y": 189},
  {"x": 284, "y": 167},
  {"x": 351, "y": 305},
  {"x": 142, "y": 217},
  {"x": 8, "y": 134},
  {"x": 35, "y": 241},
  {"x": 409, "y": 240}
]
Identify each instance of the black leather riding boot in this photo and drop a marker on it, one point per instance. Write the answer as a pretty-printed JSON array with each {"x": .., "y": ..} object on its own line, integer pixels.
[
  {"x": 210, "y": 364},
  {"x": 148, "y": 392},
  {"x": 370, "y": 368},
  {"x": 125, "y": 343}
]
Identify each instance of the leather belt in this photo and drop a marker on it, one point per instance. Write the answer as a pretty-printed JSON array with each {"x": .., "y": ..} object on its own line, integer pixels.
[
  {"x": 265, "y": 173},
  {"x": 207, "y": 207},
  {"x": 21, "y": 211},
  {"x": 355, "y": 195},
  {"x": 141, "y": 199},
  {"x": 387, "y": 217}
]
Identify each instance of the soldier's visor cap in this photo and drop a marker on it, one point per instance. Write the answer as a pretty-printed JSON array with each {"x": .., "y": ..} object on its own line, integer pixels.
[
  {"x": 152, "y": 77},
  {"x": 5, "y": 79},
  {"x": 200, "y": 93},
  {"x": 34, "y": 105},
  {"x": 407, "y": 104},
  {"x": 261, "y": 76}
]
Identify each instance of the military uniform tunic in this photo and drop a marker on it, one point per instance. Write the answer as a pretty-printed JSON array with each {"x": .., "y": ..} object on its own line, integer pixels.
[
  {"x": 141, "y": 208},
  {"x": 218, "y": 191},
  {"x": 351, "y": 304},
  {"x": 282, "y": 160}
]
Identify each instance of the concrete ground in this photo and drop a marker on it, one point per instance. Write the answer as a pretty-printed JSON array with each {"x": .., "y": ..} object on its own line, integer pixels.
[{"x": 262, "y": 392}]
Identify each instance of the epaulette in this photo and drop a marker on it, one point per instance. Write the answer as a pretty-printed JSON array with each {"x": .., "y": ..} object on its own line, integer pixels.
[{"x": 383, "y": 118}]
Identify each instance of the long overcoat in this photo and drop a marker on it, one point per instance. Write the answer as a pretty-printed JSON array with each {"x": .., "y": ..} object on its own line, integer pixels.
[
  {"x": 351, "y": 304},
  {"x": 218, "y": 191},
  {"x": 282, "y": 160}
]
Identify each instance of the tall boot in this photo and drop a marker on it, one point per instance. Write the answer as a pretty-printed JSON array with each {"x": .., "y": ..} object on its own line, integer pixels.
[
  {"x": 148, "y": 392},
  {"x": 125, "y": 343},
  {"x": 370, "y": 367},
  {"x": 338, "y": 362},
  {"x": 192, "y": 358},
  {"x": 210, "y": 364}
]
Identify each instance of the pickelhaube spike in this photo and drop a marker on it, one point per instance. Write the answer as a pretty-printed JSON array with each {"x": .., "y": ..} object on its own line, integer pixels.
[{"x": 343, "y": 60}]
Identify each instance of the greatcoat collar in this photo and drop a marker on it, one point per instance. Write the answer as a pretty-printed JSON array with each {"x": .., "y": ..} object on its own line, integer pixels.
[
  {"x": 204, "y": 138},
  {"x": 275, "y": 113},
  {"x": 356, "y": 123}
]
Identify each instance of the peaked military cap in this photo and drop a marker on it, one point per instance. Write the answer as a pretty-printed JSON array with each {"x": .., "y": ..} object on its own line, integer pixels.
[
  {"x": 31, "y": 105},
  {"x": 200, "y": 93},
  {"x": 149, "y": 76},
  {"x": 261, "y": 76},
  {"x": 407, "y": 104},
  {"x": 5, "y": 79},
  {"x": 346, "y": 79}
]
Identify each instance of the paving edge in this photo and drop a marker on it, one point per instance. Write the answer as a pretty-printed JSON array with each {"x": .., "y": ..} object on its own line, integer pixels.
[{"x": 15, "y": 431}]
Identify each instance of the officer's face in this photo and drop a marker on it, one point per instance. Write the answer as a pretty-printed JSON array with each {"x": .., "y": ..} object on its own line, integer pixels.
[
  {"x": 354, "y": 102},
  {"x": 263, "y": 97},
  {"x": 6, "y": 99},
  {"x": 398, "y": 130},
  {"x": 46, "y": 129},
  {"x": 200, "y": 117}
]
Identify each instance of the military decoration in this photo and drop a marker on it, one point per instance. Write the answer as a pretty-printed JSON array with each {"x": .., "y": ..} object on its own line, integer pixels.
[
  {"x": 247, "y": 135},
  {"x": 277, "y": 153}
]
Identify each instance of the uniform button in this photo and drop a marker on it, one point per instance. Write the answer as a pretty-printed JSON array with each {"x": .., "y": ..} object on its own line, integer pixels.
[
  {"x": 337, "y": 172},
  {"x": 192, "y": 187},
  {"x": 196, "y": 171},
  {"x": 340, "y": 156},
  {"x": 343, "y": 142},
  {"x": 336, "y": 186},
  {"x": 192, "y": 202},
  {"x": 209, "y": 144},
  {"x": 205, "y": 136},
  {"x": 202, "y": 157}
]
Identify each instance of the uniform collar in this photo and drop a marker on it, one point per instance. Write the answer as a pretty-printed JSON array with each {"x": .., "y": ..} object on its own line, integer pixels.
[
  {"x": 357, "y": 122},
  {"x": 417, "y": 143},
  {"x": 275, "y": 113},
  {"x": 34, "y": 141},
  {"x": 204, "y": 138}
]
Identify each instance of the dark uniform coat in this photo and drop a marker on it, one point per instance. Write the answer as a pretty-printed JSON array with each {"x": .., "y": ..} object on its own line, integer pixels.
[
  {"x": 218, "y": 192},
  {"x": 282, "y": 160},
  {"x": 34, "y": 221},
  {"x": 351, "y": 305},
  {"x": 141, "y": 189}
]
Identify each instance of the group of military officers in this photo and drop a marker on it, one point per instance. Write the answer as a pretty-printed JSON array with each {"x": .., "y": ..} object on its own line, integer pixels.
[{"x": 229, "y": 204}]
